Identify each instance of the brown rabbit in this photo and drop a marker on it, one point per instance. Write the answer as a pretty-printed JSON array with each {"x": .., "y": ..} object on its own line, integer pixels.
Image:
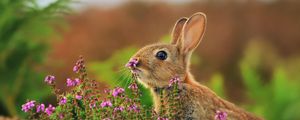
[{"x": 158, "y": 63}]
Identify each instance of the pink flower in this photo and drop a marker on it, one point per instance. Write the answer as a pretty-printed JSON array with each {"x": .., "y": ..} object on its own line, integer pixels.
[
  {"x": 132, "y": 63},
  {"x": 70, "y": 82},
  {"x": 220, "y": 115},
  {"x": 28, "y": 106},
  {"x": 133, "y": 86},
  {"x": 76, "y": 68},
  {"x": 133, "y": 108},
  {"x": 78, "y": 97},
  {"x": 79, "y": 65},
  {"x": 106, "y": 119},
  {"x": 63, "y": 101},
  {"x": 117, "y": 91},
  {"x": 118, "y": 109},
  {"x": 74, "y": 82},
  {"x": 49, "y": 110},
  {"x": 173, "y": 81},
  {"x": 106, "y": 104},
  {"x": 40, "y": 108},
  {"x": 49, "y": 79}
]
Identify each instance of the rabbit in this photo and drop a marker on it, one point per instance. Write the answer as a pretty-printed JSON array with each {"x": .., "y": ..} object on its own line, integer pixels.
[{"x": 156, "y": 64}]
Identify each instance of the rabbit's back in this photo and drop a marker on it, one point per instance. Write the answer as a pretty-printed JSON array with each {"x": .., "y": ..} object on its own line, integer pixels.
[{"x": 201, "y": 103}]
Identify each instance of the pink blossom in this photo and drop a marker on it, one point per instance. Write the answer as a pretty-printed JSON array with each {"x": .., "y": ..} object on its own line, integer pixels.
[
  {"x": 28, "y": 106},
  {"x": 76, "y": 81},
  {"x": 133, "y": 108},
  {"x": 117, "y": 91},
  {"x": 133, "y": 86},
  {"x": 70, "y": 82},
  {"x": 78, "y": 97},
  {"x": 106, "y": 104},
  {"x": 173, "y": 81},
  {"x": 76, "y": 68},
  {"x": 220, "y": 115},
  {"x": 118, "y": 109},
  {"x": 49, "y": 79},
  {"x": 40, "y": 108},
  {"x": 49, "y": 110},
  {"x": 78, "y": 65},
  {"x": 63, "y": 101},
  {"x": 132, "y": 63}
]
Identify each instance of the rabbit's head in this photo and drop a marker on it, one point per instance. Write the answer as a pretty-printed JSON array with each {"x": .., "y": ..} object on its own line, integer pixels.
[{"x": 156, "y": 64}]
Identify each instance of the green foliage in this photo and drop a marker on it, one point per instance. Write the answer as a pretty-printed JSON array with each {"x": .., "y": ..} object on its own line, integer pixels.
[
  {"x": 217, "y": 85},
  {"x": 25, "y": 29},
  {"x": 274, "y": 97},
  {"x": 279, "y": 97},
  {"x": 113, "y": 72}
]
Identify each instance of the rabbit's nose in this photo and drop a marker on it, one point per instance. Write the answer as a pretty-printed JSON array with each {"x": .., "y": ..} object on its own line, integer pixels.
[{"x": 133, "y": 63}]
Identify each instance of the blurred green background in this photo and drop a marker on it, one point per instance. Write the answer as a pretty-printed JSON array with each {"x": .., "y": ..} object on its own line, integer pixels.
[{"x": 250, "y": 54}]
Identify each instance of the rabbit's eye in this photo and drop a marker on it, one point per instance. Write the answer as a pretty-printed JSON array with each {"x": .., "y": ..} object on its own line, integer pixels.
[{"x": 162, "y": 55}]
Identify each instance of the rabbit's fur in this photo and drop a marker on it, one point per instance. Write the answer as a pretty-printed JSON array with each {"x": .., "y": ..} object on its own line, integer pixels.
[{"x": 198, "y": 102}]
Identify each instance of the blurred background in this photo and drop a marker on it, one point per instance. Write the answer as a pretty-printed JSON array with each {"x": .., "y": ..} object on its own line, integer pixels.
[{"x": 250, "y": 54}]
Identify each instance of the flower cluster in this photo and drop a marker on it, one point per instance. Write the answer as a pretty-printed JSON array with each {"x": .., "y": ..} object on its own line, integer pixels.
[
  {"x": 50, "y": 79},
  {"x": 220, "y": 115},
  {"x": 133, "y": 86},
  {"x": 63, "y": 101},
  {"x": 106, "y": 103},
  {"x": 74, "y": 82},
  {"x": 83, "y": 100},
  {"x": 118, "y": 91},
  {"x": 134, "y": 108},
  {"x": 28, "y": 106},
  {"x": 119, "y": 109},
  {"x": 79, "y": 65},
  {"x": 173, "y": 81},
  {"x": 40, "y": 108},
  {"x": 132, "y": 63},
  {"x": 49, "y": 110}
]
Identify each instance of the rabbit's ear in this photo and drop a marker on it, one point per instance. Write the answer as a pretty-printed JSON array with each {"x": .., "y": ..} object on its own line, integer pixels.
[
  {"x": 193, "y": 31},
  {"x": 177, "y": 30}
]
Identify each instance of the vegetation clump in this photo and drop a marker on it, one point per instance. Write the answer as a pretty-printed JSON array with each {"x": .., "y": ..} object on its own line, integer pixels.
[{"x": 84, "y": 101}]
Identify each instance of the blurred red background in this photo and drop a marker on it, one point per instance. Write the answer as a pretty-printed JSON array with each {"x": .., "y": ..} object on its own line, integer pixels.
[{"x": 97, "y": 33}]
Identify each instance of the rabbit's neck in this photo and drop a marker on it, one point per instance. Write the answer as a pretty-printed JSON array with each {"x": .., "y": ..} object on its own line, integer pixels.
[
  {"x": 189, "y": 79},
  {"x": 162, "y": 94},
  {"x": 166, "y": 90}
]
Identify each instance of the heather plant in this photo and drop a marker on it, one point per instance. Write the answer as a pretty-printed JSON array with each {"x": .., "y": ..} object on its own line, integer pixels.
[{"x": 83, "y": 100}]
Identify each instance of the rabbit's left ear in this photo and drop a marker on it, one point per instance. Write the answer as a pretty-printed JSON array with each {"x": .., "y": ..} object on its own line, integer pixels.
[
  {"x": 193, "y": 31},
  {"x": 177, "y": 30}
]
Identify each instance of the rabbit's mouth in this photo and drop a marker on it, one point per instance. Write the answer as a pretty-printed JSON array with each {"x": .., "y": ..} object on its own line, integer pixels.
[
  {"x": 139, "y": 71},
  {"x": 133, "y": 66}
]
